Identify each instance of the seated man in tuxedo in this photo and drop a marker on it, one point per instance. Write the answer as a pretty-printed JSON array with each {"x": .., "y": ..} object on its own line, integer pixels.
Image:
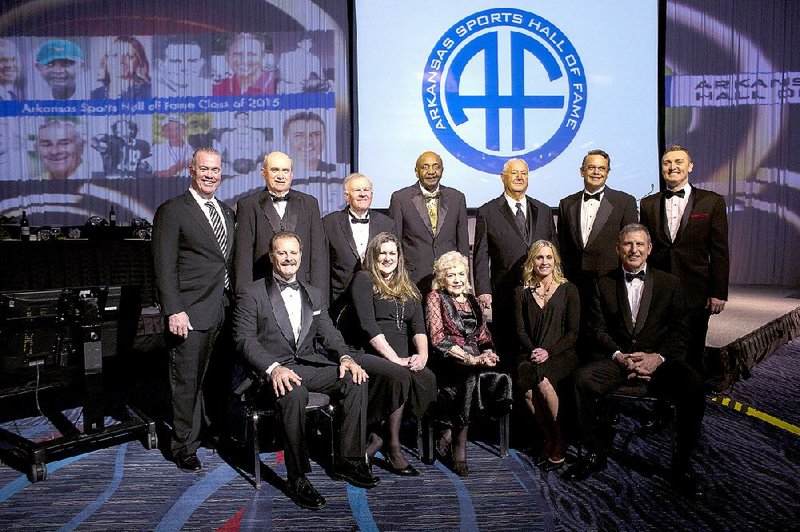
[
  {"x": 277, "y": 323},
  {"x": 637, "y": 322}
]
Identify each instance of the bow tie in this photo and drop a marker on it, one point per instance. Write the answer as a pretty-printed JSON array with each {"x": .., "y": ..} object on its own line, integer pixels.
[
  {"x": 631, "y": 276},
  {"x": 596, "y": 196},
  {"x": 283, "y": 285},
  {"x": 429, "y": 197},
  {"x": 279, "y": 198},
  {"x": 680, "y": 193},
  {"x": 354, "y": 220}
]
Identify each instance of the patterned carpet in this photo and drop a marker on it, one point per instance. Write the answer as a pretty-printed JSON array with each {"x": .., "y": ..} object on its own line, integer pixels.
[{"x": 751, "y": 471}]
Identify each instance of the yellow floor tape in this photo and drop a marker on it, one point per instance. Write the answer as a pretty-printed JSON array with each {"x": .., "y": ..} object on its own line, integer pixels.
[{"x": 750, "y": 411}]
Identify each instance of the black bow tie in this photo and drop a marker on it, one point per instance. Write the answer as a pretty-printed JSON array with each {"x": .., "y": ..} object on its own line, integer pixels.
[
  {"x": 680, "y": 193},
  {"x": 354, "y": 220},
  {"x": 283, "y": 285},
  {"x": 596, "y": 196},
  {"x": 280, "y": 198},
  {"x": 631, "y": 276}
]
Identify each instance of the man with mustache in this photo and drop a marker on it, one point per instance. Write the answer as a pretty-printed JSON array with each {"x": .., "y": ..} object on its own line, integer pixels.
[
  {"x": 689, "y": 227},
  {"x": 278, "y": 323},
  {"x": 192, "y": 258},
  {"x": 637, "y": 326},
  {"x": 279, "y": 208}
]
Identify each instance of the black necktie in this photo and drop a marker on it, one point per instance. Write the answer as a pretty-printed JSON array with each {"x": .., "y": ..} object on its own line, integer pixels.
[
  {"x": 280, "y": 198},
  {"x": 631, "y": 276},
  {"x": 354, "y": 220},
  {"x": 283, "y": 285},
  {"x": 522, "y": 222},
  {"x": 680, "y": 193},
  {"x": 596, "y": 196}
]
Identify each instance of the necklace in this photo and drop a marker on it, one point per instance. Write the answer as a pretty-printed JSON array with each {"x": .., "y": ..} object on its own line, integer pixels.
[
  {"x": 545, "y": 297},
  {"x": 399, "y": 313}
]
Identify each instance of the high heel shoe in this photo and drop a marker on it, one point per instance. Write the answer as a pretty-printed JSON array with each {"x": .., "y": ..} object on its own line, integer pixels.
[
  {"x": 407, "y": 471},
  {"x": 460, "y": 468}
]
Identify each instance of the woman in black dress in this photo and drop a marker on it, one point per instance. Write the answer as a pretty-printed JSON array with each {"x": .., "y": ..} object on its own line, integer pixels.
[
  {"x": 389, "y": 311},
  {"x": 465, "y": 359},
  {"x": 547, "y": 310}
]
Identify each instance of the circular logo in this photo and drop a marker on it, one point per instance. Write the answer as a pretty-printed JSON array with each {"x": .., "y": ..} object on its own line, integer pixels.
[{"x": 504, "y": 83}]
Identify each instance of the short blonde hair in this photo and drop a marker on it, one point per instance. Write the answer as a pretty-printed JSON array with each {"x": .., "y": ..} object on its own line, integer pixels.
[{"x": 446, "y": 262}]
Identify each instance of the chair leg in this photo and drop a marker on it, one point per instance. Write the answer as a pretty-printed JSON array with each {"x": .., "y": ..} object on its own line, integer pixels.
[
  {"x": 505, "y": 427},
  {"x": 256, "y": 449},
  {"x": 425, "y": 440}
]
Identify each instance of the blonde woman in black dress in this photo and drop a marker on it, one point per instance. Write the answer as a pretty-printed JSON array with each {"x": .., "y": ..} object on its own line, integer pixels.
[{"x": 547, "y": 310}]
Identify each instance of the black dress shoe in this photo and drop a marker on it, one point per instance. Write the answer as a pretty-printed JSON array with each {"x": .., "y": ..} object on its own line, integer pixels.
[
  {"x": 189, "y": 463},
  {"x": 685, "y": 482},
  {"x": 356, "y": 472},
  {"x": 304, "y": 495},
  {"x": 407, "y": 471},
  {"x": 593, "y": 463}
]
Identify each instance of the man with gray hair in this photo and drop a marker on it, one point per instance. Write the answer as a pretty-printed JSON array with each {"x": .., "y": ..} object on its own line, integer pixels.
[
  {"x": 349, "y": 231},
  {"x": 9, "y": 71},
  {"x": 59, "y": 145}
]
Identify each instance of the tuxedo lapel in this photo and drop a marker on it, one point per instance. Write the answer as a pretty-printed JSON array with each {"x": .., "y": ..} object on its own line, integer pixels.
[
  {"x": 690, "y": 203},
  {"x": 306, "y": 315},
  {"x": 280, "y": 312},
  {"x": 662, "y": 217},
  {"x": 531, "y": 219},
  {"x": 443, "y": 207},
  {"x": 622, "y": 300},
  {"x": 603, "y": 213},
  {"x": 347, "y": 232},
  {"x": 265, "y": 201},
  {"x": 290, "y": 215},
  {"x": 644, "y": 303},
  {"x": 575, "y": 221},
  {"x": 419, "y": 203}
]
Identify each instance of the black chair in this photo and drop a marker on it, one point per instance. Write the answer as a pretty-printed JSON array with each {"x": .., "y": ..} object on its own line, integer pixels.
[
  {"x": 661, "y": 412},
  {"x": 256, "y": 407}
]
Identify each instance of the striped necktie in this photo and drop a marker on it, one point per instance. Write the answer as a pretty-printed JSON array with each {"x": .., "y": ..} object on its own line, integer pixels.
[{"x": 219, "y": 232}]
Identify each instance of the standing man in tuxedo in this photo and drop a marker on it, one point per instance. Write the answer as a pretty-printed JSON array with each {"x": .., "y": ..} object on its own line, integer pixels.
[
  {"x": 431, "y": 218},
  {"x": 504, "y": 230},
  {"x": 278, "y": 208},
  {"x": 589, "y": 223},
  {"x": 193, "y": 259},
  {"x": 689, "y": 227},
  {"x": 637, "y": 321},
  {"x": 278, "y": 322},
  {"x": 348, "y": 232}
]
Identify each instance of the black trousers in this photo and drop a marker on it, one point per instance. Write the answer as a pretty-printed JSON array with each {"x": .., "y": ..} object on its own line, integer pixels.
[
  {"x": 188, "y": 363},
  {"x": 291, "y": 413},
  {"x": 674, "y": 380}
]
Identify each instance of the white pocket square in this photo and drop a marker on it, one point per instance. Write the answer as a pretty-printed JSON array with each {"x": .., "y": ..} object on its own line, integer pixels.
[{"x": 317, "y": 312}]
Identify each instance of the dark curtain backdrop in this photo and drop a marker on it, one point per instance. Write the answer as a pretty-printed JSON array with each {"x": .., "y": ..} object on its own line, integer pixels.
[{"x": 733, "y": 98}]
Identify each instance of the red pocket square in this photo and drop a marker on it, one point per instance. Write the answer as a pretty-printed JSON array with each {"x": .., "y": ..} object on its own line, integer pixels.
[{"x": 698, "y": 216}]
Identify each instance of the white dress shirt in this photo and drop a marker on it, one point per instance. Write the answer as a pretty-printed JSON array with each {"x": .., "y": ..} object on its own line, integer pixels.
[
  {"x": 674, "y": 207},
  {"x": 589, "y": 214},
  {"x": 360, "y": 232}
]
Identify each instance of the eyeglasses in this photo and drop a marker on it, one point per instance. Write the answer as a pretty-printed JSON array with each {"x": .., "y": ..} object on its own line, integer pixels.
[{"x": 593, "y": 168}]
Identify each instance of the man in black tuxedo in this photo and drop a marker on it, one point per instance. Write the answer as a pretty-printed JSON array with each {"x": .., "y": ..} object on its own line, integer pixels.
[
  {"x": 278, "y": 323},
  {"x": 431, "y": 218},
  {"x": 689, "y": 227},
  {"x": 193, "y": 262},
  {"x": 277, "y": 208},
  {"x": 637, "y": 322},
  {"x": 589, "y": 223},
  {"x": 348, "y": 232},
  {"x": 504, "y": 230}
]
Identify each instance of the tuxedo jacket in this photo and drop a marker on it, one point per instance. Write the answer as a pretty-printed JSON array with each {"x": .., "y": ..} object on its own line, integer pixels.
[
  {"x": 342, "y": 252},
  {"x": 660, "y": 324},
  {"x": 258, "y": 221},
  {"x": 500, "y": 247},
  {"x": 263, "y": 332},
  {"x": 699, "y": 254},
  {"x": 420, "y": 245},
  {"x": 188, "y": 262},
  {"x": 599, "y": 255}
]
